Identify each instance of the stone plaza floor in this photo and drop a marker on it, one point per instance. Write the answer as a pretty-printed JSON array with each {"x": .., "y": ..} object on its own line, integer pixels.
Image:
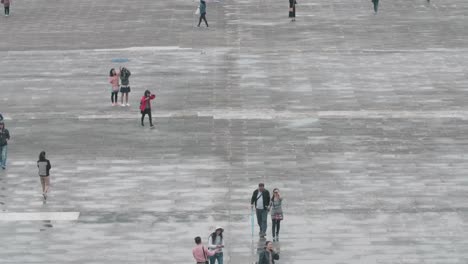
[{"x": 359, "y": 119}]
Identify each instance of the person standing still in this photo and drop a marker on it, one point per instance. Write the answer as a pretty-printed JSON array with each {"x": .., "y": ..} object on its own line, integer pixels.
[
  {"x": 216, "y": 242},
  {"x": 276, "y": 213},
  {"x": 202, "y": 13},
  {"x": 44, "y": 167},
  {"x": 6, "y": 4},
  {"x": 145, "y": 107},
  {"x": 4, "y": 137},
  {"x": 261, "y": 200},
  {"x": 125, "y": 87},
  {"x": 292, "y": 10},
  {"x": 376, "y": 6},
  {"x": 201, "y": 253},
  {"x": 114, "y": 81}
]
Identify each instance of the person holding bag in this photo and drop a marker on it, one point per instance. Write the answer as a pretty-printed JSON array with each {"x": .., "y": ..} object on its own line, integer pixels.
[
  {"x": 276, "y": 213},
  {"x": 201, "y": 253}
]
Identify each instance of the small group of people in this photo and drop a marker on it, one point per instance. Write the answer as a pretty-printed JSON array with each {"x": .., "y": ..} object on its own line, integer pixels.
[
  {"x": 120, "y": 83},
  {"x": 264, "y": 204},
  {"x": 6, "y": 5},
  {"x": 213, "y": 252}
]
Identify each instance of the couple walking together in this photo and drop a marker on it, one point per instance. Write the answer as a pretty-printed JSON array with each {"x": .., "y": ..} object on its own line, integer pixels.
[{"x": 263, "y": 204}]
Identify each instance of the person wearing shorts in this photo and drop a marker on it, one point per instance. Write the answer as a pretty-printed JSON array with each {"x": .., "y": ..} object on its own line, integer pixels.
[
  {"x": 125, "y": 85},
  {"x": 44, "y": 167}
]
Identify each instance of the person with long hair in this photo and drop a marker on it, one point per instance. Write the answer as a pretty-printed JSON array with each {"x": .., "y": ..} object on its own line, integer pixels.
[
  {"x": 269, "y": 255},
  {"x": 216, "y": 242},
  {"x": 145, "y": 107},
  {"x": 276, "y": 213},
  {"x": 125, "y": 87},
  {"x": 44, "y": 167},
  {"x": 114, "y": 81}
]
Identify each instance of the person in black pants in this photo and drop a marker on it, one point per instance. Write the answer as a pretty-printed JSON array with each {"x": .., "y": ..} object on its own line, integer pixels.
[
  {"x": 292, "y": 10},
  {"x": 376, "y": 5},
  {"x": 202, "y": 13},
  {"x": 145, "y": 107}
]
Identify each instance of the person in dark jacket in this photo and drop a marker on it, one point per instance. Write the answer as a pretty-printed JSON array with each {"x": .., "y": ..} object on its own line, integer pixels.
[
  {"x": 6, "y": 4},
  {"x": 145, "y": 107},
  {"x": 125, "y": 85},
  {"x": 261, "y": 200},
  {"x": 292, "y": 9},
  {"x": 269, "y": 255},
  {"x": 4, "y": 137},
  {"x": 202, "y": 13},
  {"x": 376, "y": 6},
  {"x": 44, "y": 167}
]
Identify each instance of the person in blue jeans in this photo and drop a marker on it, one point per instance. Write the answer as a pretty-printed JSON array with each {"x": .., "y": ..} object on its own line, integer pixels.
[
  {"x": 216, "y": 242},
  {"x": 261, "y": 201},
  {"x": 4, "y": 137}
]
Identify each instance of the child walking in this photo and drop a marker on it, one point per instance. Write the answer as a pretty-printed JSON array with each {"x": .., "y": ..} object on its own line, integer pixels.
[
  {"x": 145, "y": 107},
  {"x": 202, "y": 13},
  {"x": 114, "y": 81},
  {"x": 44, "y": 167},
  {"x": 6, "y": 4}
]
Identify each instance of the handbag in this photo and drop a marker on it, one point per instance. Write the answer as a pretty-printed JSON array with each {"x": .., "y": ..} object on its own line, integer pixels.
[
  {"x": 204, "y": 254},
  {"x": 278, "y": 217},
  {"x": 197, "y": 12}
]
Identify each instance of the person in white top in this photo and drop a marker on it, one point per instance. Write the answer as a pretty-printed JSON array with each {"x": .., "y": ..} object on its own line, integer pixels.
[
  {"x": 261, "y": 200},
  {"x": 216, "y": 242}
]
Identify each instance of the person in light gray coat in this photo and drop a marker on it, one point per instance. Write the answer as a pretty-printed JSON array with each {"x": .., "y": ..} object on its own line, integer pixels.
[{"x": 44, "y": 167}]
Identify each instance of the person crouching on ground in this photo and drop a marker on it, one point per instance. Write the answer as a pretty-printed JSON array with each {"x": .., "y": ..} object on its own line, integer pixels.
[{"x": 145, "y": 107}]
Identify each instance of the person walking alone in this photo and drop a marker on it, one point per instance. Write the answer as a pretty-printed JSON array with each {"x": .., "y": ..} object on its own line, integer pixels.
[
  {"x": 261, "y": 200},
  {"x": 4, "y": 138},
  {"x": 276, "y": 213},
  {"x": 216, "y": 242},
  {"x": 201, "y": 253},
  {"x": 269, "y": 255},
  {"x": 114, "y": 81},
  {"x": 125, "y": 87},
  {"x": 292, "y": 10},
  {"x": 376, "y": 6},
  {"x": 6, "y": 4},
  {"x": 44, "y": 167},
  {"x": 202, "y": 13},
  {"x": 145, "y": 107}
]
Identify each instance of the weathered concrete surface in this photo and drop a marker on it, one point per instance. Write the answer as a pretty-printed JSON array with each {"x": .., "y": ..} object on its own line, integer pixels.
[{"x": 360, "y": 120}]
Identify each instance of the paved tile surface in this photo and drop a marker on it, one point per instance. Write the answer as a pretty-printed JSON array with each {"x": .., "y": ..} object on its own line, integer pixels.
[{"x": 360, "y": 120}]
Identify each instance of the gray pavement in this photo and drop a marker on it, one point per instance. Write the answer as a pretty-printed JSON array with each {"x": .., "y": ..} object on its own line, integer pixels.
[{"x": 360, "y": 120}]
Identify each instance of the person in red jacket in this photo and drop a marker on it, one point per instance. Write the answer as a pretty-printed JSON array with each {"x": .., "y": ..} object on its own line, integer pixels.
[{"x": 145, "y": 106}]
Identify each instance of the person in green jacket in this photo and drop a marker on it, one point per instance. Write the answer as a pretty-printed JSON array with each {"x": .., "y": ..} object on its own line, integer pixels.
[
  {"x": 202, "y": 13},
  {"x": 268, "y": 256},
  {"x": 376, "y": 6}
]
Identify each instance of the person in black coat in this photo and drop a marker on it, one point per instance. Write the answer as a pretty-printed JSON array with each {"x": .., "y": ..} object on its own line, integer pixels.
[
  {"x": 292, "y": 9},
  {"x": 269, "y": 255},
  {"x": 261, "y": 200},
  {"x": 376, "y": 5}
]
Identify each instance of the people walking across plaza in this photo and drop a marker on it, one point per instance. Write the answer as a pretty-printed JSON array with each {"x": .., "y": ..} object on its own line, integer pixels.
[
  {"x": 125, "y": 85},
  {"x": 202, "y": 13},
  {"x": 201, "y": 253},
  {"x": 216, "y": 242},
  {"x": 145, "y": 107},
  {"x": 44, "y": 167},
  {"x": 6, "y": 4},
  {"x": 276, "y": 211},
  {"x": 4, "y": 138},
  {"x": 114, "y": 81},
  {"x": 292, "y": 10},
  {"x": 261, "y": 200},
  {"x": 376, "y": 6},
  {"x": 269, "y": 255}
]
